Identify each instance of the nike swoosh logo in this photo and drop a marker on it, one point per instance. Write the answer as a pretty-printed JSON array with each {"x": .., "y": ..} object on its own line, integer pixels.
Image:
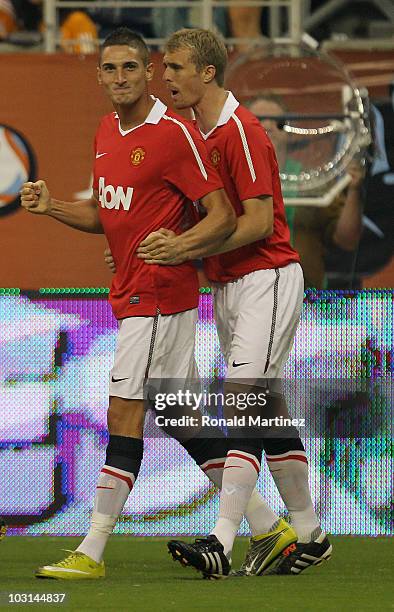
[
  {"x": 100, "y": 155},
  {"x": 63, "y": 569},
  {"x": 248, "y": 568},
  {"x": 236, "y": 365},
  {"x": 118, "y": 379}
]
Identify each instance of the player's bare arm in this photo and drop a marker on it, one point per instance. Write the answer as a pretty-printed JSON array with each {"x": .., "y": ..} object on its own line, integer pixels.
[
  {"x": 83, "y": 215},
  {"x": 348, "y": 229},
  {"x": 255, "y": 224},
  {"x": 166, "y": 248}
]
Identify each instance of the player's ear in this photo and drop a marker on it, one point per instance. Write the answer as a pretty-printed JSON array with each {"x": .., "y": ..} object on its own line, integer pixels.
[
  {"x": 99, "y": 79},
  {"x": 150, "y": 70},
  {"x": 208, "y": 74}
]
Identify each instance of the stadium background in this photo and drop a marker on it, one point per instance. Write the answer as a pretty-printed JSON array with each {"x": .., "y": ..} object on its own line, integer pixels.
[
  {"x": 56, "y": 346},
  {"x": 56, "y": 104}
]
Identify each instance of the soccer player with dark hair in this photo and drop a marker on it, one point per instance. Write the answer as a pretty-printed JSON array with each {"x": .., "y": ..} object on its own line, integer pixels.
[
  {"x": 258, "y": 294},
  {"x": 148, "y": 166}
]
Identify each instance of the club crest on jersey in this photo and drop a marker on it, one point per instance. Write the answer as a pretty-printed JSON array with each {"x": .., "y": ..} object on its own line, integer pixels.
[
  {"x": 137, "y": 156},
  {"x": 215, "y": 157},
  {"x": 114, "y": 197}
]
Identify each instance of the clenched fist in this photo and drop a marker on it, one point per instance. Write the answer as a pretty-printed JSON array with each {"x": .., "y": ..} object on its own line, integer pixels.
[{"x": 35, "y": 197}]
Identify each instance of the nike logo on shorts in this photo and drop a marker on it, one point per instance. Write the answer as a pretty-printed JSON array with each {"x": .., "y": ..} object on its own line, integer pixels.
[
  {"x": 236, "y": 365},
  {"x": 100, "y": 155},
  {"x": 118, "y": 379}
]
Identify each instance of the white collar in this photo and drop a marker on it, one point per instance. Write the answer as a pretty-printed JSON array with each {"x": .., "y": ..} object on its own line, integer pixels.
[
  {"x": 229, "y": 108},
  {"x": 156, "y": 113}
]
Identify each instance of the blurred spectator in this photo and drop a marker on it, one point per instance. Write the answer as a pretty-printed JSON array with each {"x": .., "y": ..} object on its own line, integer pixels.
[
  {"x": 167, "y": 20},
  {"x": 156, "y": 22},
  {"x": 78, "y": 34},
  {"x": 314, "y": 230},
  {"x": 138, "y": 19},
  {"x": 7, "y": 19},
  {"x": 244, "y": 22},
  {"x": 376, "y": 246}
]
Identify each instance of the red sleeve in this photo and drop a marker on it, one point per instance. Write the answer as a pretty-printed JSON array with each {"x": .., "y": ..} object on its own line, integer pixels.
[
  {"x": 251, "y": 159},
  {"x": 188, "y": 167}
]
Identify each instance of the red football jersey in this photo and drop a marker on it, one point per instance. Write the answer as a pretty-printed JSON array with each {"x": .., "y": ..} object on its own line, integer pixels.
[
  {"x": 144, "y": 177},
  {"x": 245, "y": 158}
]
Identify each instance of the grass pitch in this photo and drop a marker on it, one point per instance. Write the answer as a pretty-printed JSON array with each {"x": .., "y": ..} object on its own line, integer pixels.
[{"x": 141, "y": 576}]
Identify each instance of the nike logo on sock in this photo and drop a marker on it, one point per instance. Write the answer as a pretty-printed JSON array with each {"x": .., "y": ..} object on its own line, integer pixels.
[
  {"x": 118, "y": 379},
  {"x": 100, "y": 155},
  {"x": 235, "y": 365}
]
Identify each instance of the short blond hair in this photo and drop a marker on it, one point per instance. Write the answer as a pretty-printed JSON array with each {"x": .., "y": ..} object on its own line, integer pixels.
[{"x": 207, "y": 49}]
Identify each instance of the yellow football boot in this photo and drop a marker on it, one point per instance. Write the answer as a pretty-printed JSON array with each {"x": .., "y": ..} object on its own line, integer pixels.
[
  {"x": 264, "y": 549},
  {"x": 77, "y": 566}
]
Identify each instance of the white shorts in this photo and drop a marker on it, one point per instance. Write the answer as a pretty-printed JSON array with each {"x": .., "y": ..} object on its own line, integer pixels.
[
  {"x": 158, "y": 347},
  {"x": 256, "y": 318}
]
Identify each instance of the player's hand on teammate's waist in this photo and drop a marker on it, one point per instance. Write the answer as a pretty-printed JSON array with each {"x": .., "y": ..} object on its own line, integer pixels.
[
  {"x": 109, "y": 260},
  {"x": 35, "y": 197},
  {"x": 161, "y": 247}
]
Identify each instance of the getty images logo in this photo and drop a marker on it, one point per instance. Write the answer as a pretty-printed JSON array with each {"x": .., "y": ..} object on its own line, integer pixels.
[{"x": 111, "y": 197}]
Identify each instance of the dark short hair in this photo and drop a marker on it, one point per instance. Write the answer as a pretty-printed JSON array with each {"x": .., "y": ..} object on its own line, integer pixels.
[
  {"x": 207, "y": 49},
  {"x": 125, "y": 36}
]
